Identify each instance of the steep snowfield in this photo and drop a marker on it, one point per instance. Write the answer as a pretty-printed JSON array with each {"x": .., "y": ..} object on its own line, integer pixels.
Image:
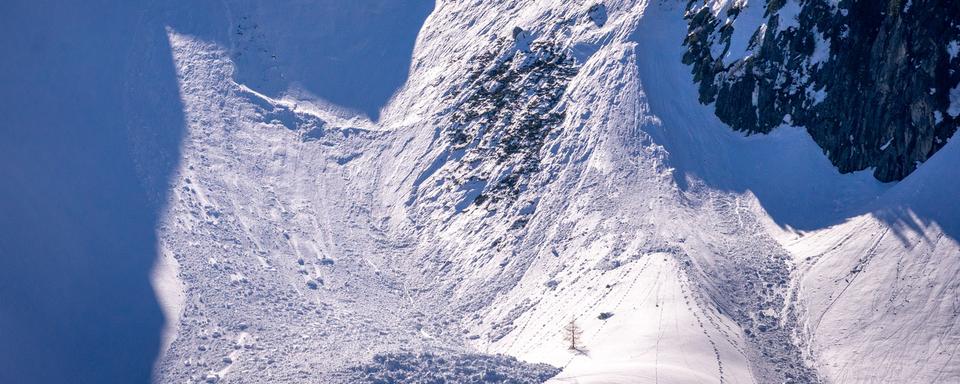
[
  {"x": 286, "y": 274},
  {"x": 309, "y": 239},
  {"x": 881, "y": 289}
]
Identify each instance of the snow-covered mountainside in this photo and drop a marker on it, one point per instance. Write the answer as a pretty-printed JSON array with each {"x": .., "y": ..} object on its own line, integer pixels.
[
  {"x": 375, "y": 191},
  {"x": 544, "y": 161}
]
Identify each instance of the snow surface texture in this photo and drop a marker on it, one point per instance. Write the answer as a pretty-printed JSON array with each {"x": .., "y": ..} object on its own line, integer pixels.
[{"x": 312, "y": 242}]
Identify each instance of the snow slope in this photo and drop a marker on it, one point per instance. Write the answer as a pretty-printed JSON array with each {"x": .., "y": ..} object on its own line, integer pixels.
[
  {"x": 310, "y": 239},
  {"x": 882, "y": 286}
]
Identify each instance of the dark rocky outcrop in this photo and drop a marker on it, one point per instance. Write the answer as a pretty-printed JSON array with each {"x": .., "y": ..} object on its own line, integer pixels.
[
  {"x": 446, "y": 367},
  {"x": 506, "y": 112},
  {"x": 870, "y": 80}
]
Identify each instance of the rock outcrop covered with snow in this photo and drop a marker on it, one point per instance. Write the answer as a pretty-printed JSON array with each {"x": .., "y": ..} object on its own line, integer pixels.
[{"x": 447, "y": 368}]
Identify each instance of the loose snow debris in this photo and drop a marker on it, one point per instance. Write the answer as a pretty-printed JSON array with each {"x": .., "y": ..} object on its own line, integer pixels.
[{"x": 407, "y": 367}]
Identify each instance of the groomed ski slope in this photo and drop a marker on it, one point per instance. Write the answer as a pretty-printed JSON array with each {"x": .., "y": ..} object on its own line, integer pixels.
[{"x": 309, "y": 239}]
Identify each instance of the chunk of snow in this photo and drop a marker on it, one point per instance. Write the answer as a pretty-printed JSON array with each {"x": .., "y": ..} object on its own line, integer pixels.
[
  {"x": 818, "y": 95},
  {"x": 821, "y": 50},
  {"x": 887, "y": 144},
  {"x": 954, "y": 109},
  {"x": 788, "y": 16}
]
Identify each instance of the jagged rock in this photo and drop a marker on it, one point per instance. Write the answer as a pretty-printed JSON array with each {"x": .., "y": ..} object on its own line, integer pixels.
[
  {"x": 507, "y": 116},
  {"x": 869, "y": 80}
]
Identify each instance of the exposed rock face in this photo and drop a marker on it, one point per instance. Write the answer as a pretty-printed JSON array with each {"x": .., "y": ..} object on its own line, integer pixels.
[
  {"x": 871, "y": 80},
  {"x": 506, "y": 113}
]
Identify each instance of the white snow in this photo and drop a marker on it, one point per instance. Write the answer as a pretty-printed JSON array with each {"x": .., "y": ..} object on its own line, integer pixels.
[
  {"x": 744, "y": 26},
  {"x": 169, "y": 290},
  {"x": 821, "y": 51},
  {"x": 887, "y": 144},
  {"x": 954, "y": 108},
  {"x": 819, "y": 95},
  {"x": 880, "y": 285},
  {"x": 788, "y": 15},
  {"x": 721, "y": 257}
]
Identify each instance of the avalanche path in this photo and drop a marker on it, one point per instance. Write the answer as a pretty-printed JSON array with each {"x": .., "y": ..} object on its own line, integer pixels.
[{"x": 544, "y": 161}]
